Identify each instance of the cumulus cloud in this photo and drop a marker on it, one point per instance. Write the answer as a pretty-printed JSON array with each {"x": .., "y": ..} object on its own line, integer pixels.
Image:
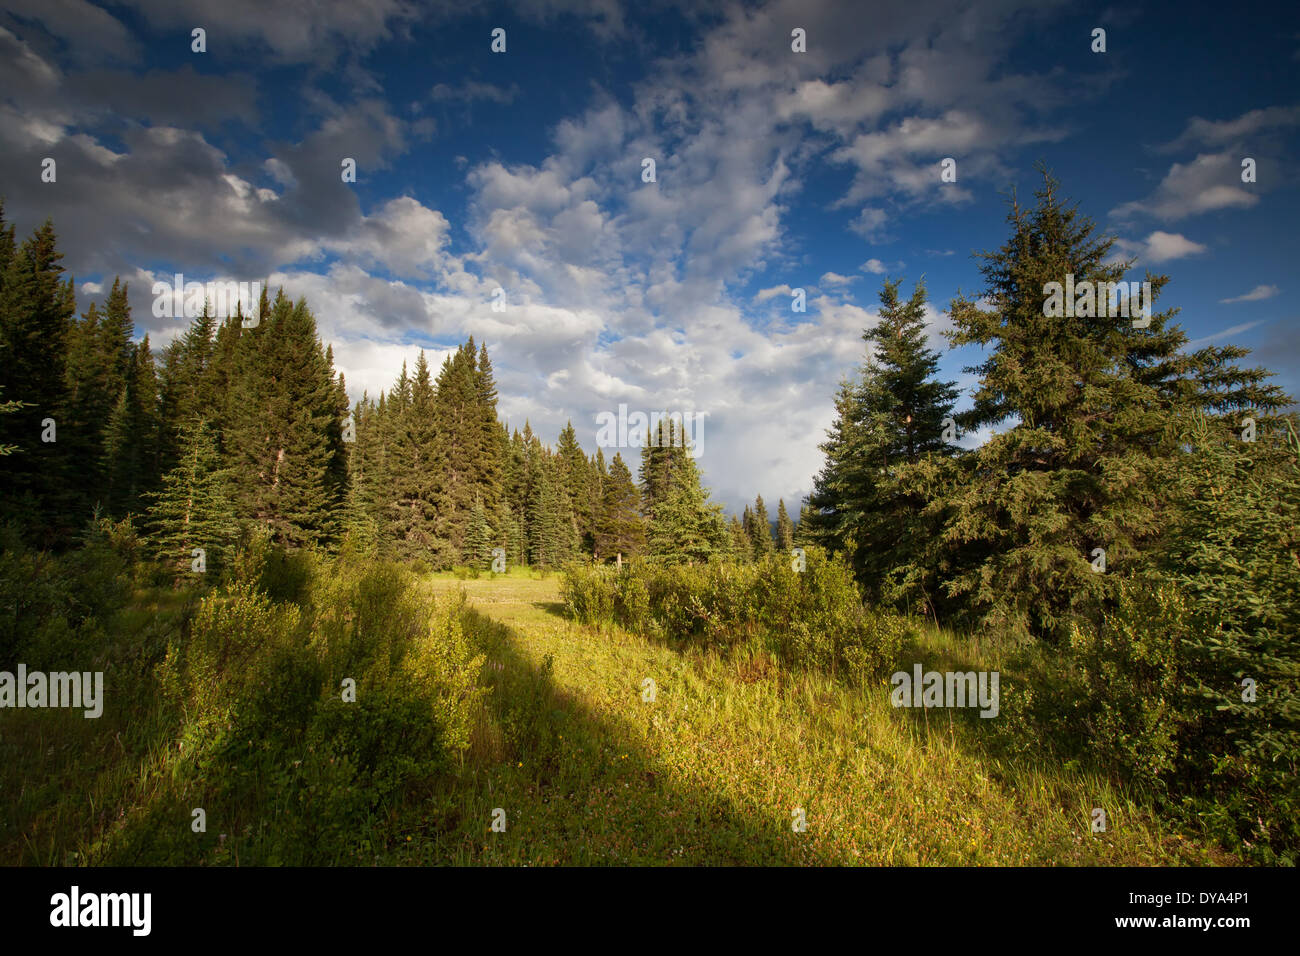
[
  {"x": 835, "y": 279},
  {"x": 1159, "y": 247},
  {"x": 1202, "y": 132},
  {"x": 617, "y": 290},
  {"x": 1209, "y": 182}
]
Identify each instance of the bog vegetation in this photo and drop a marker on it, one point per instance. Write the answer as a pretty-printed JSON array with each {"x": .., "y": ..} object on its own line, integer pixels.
[{"x": 271, "y": 580}]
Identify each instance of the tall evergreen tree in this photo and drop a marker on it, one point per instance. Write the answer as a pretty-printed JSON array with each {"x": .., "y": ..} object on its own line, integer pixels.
[
  {"x": 891, "y": 417},
  {"x": 742, "y": 549},
  {"x": 478, "y": 538},
  {"x": 577, "y": 484},
  {"x": 554, "y": 531},
  {"x": 1088, "y": 397},
  {"x": 36, "y": 317},
  {"x": 659, "y": 456},
  {"x": 284, "y": 428},
  {"x": 685, "y": 526},
  {"x": 414, "y": 464}
]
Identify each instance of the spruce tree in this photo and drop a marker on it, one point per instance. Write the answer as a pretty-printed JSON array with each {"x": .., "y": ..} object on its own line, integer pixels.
[
  {"x": 414, "y": 463},
  {"x": 686, "y": 527},
  {"x": 659, "y": 455},
  {"x": 759, "y": 529},
  {"x": 284, "y": 428},
  {"x": 192, "y": 510},
  {"x": 1088, "y": 398},
  {"x": 459, "y": 423},
  {"x": 620, "y": 529},
  {"x": 784, "y": 528},
  {"x": 478, "y": 538},
  {"x": 90, "y": 400},
  {"x": 577, "y": 484},
  {"x": 868, "y": 505},
  {"x": 36, "y": 317},
  {"x": 742, "y": 549},
  {"x": 554, "y": 531},
  {"x": 131, "y": 439}
]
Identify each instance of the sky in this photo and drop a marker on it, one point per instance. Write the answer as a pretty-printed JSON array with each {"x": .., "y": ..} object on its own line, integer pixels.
[{"x": 775, "y": 170}]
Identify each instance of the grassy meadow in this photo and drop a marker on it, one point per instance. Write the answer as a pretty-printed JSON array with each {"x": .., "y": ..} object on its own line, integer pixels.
[{"x": 556, "y": 732}]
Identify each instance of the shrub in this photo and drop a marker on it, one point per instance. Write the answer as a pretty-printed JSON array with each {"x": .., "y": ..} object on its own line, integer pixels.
[
  {"x": 588, "y": 592},
  {"x": 814, "y": 617},
  {"x": 52, "y": 607},
  {"x": 279, "y": 573},
  {"x": 1138, "y": 656}
]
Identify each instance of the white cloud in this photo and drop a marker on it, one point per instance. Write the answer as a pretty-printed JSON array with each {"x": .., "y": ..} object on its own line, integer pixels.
[
  {"x": 771, "y": 293},
  {"x": 1158, "y": 247},
  {"x": 1203, "y": 132},
  {"x": 1254, "y": 295},
  {"x": 617, "y": 290},
  {"x": 470, "y": 90},
  {"x": 835, "y": 279},
  {"x": 1209, "y": 182}
]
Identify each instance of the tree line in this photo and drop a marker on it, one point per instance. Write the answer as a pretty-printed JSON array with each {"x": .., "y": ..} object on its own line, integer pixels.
[{"x": 231, "y": 426}]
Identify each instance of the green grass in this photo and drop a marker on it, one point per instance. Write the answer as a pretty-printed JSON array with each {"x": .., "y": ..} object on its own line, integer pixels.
[
  {"x": 713, "y": 769},
  {"x": 588, "y": 772}
]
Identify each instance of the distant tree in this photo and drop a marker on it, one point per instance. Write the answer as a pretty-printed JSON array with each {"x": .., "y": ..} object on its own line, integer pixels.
[
  {"x": 620, "y": 529},
  {"x": 742, "y": 549},
  {"x": 759, "y": 529},
  {"x": 784, "y": 528},
  {"x": 685, "y": 527},
  {"x": 131, "y": 440},
  {"x": 555, "y": 533},
  {"x": 478, "y": 538}
]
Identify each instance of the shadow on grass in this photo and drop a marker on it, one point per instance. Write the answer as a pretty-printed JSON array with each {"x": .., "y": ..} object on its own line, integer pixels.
[
  {"x": 556, "y": 608},
  {"x": 578, "y": 788}
]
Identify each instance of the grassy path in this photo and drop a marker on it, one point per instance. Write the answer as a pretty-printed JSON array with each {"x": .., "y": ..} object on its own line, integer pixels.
[{"x": 715, "y": 768}]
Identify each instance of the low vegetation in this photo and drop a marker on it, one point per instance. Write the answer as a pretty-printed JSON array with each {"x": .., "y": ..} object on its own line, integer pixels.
[{"x": 475, "y": 694}]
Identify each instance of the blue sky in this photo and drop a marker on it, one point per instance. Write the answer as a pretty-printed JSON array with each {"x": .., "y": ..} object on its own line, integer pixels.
[{"x": 775, "y": 170}]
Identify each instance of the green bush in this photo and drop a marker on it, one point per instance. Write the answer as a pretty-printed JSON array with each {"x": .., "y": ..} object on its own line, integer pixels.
[
  {"x": 276, "y": 571},
  {"x": 1138, "y": 656},
  {"x": 588, "y": 592},
  {"x": 52, "y": 607},
  {"x": 812, "y": 617}
]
